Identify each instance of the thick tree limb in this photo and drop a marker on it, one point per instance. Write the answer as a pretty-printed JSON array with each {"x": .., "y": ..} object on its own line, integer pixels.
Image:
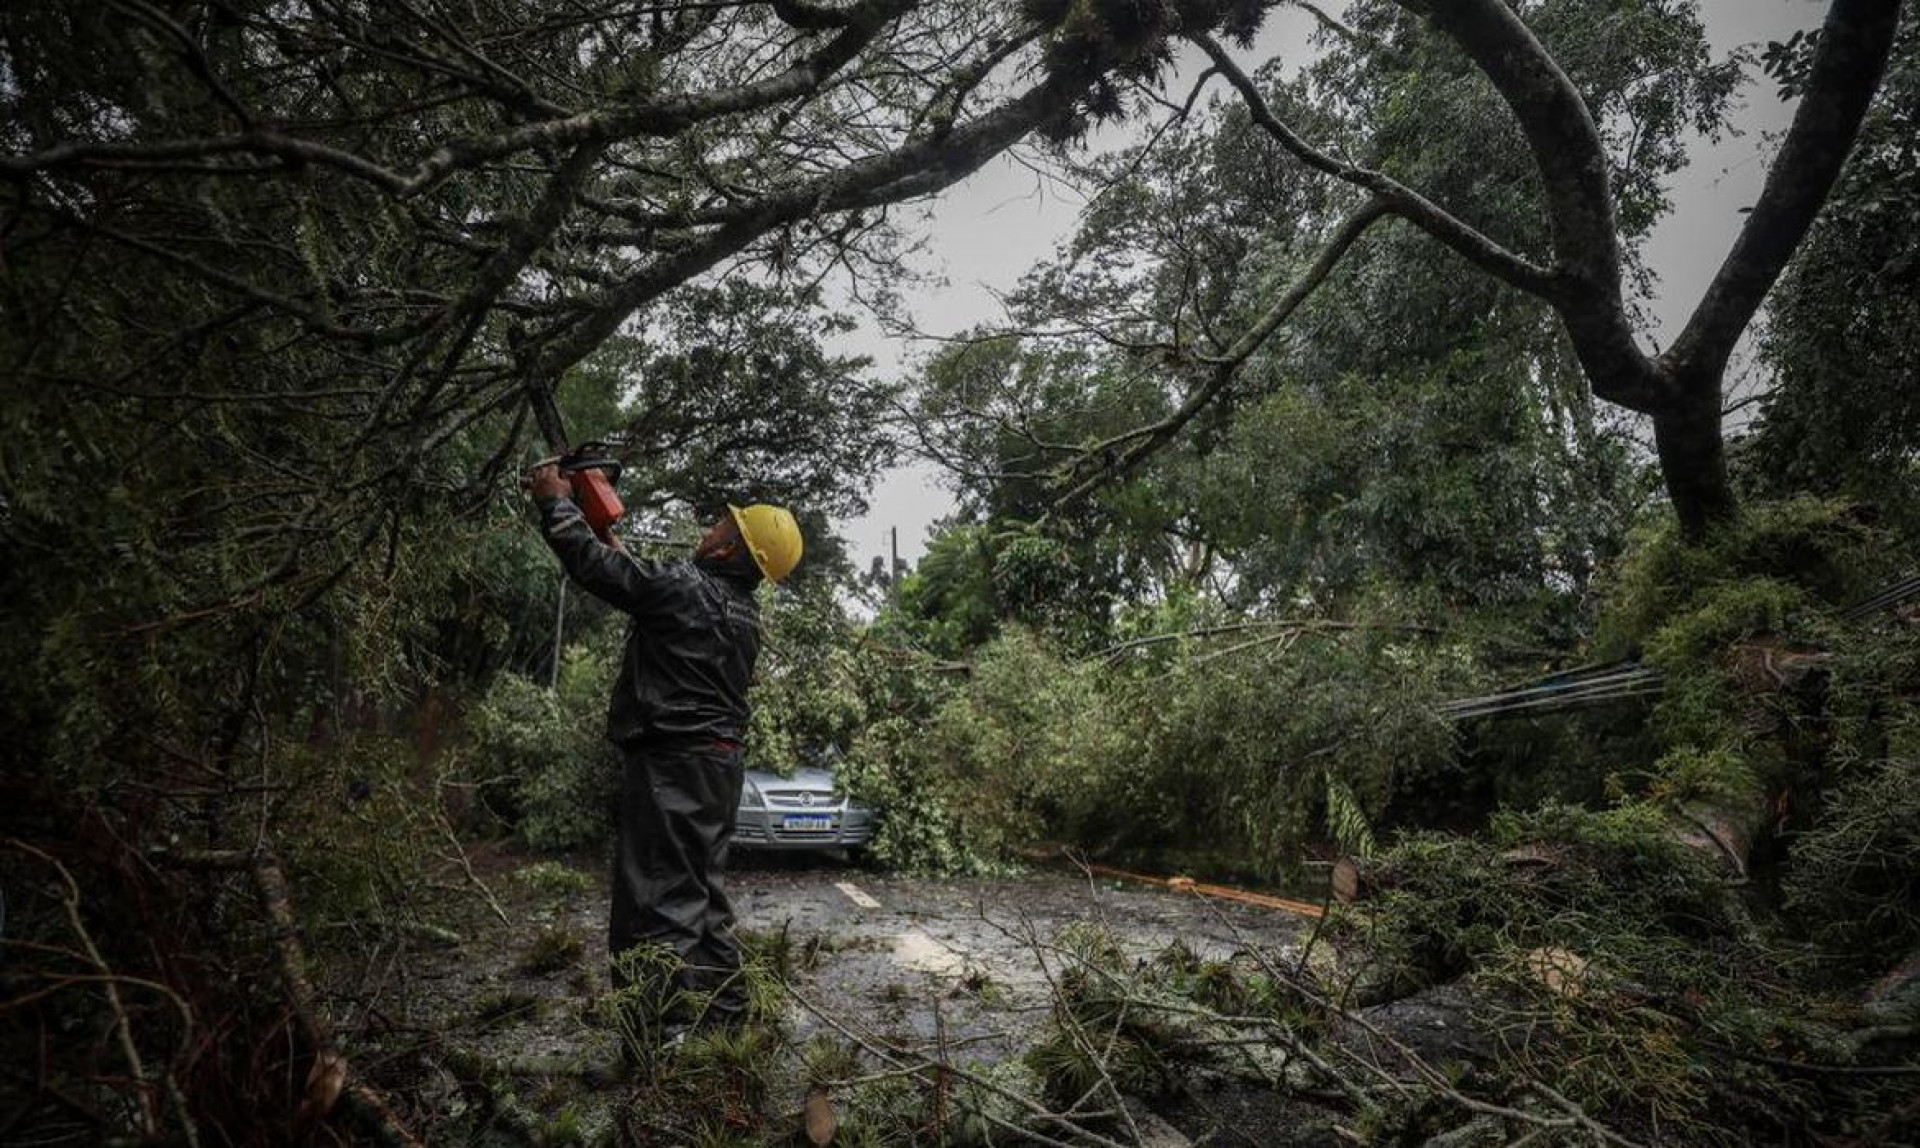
[
  {"x": 918, "y": 168},
  {"x": 1472, "y": 245},
  {"x": 1855, "y": 43},
  {"x": 1559, "y": 129},
  {"x": 361, "y": 1099},
  {"x": 1680, "y": 390},
  {"x": 1575, "y": 172}
]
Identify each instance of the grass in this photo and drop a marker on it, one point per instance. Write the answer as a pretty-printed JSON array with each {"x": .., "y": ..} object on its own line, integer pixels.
[{"x": 553, "y": 950}]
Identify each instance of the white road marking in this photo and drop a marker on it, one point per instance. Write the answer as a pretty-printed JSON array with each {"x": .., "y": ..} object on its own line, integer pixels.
[
  {"x": 856, "y": 894},
  {"x": 921, "y": 953}
]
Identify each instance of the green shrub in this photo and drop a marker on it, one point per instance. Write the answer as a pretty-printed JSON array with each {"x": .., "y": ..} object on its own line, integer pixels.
[
  {"x": 1024, "y": 745},
  {"x": 1263, "y": 743},
  {"x": 1703, "y": 614},
  {"x": 816, "y": 684},
  {"x": 920, "y": 828},
  {"x": 548, "y": 746},
  {"x": 1854, "y": 878},
  {"x": 1819, "y": 548},
  {"x": 1248, "y": 745}
]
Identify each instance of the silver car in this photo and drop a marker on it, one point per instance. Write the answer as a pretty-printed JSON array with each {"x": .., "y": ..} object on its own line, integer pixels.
[{"x": 799, "y": 812}]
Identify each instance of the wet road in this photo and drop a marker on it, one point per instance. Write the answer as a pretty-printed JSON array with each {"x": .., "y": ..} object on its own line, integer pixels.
[
  {"x": 969, "y": 958},
  {"x": 956, "y": 970}
]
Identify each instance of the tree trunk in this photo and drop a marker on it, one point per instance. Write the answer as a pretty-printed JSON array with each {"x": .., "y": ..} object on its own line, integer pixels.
[{"x": 1693, "y": 462}]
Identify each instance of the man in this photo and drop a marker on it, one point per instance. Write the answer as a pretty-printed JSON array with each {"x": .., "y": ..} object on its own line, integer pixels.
[{"x": 678, "y": 714}]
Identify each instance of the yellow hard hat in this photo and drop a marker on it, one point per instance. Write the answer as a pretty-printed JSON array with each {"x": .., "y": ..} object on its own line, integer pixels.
[{"x": 773, "y": 538}]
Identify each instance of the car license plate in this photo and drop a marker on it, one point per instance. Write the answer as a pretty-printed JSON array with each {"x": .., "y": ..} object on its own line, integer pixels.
[{"x": 808, "y": 822}]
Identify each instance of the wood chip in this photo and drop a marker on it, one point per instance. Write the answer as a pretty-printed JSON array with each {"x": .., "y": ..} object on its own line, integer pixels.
[{"x": 821, "y": 1122}]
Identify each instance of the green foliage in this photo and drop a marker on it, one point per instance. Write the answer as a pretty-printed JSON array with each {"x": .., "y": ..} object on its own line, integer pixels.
[
  {"x": 949, "y": 600},
  {"x": 1452, "y": 900},
  {"x": 1614, "y": 963},
  {"x": 1034, "y": 578},
  {"x": 1816, "y": 548},
  {"x": 976, "y": 578},
  {"x": 1844, "y": 322},
  {"x": 1717, "y": 774},
  {"x": 1705, "y": 614},
  {"x": 919, "y": 827},
  {"x": 552, "y": 950},
  {"x": 1854, "y": 878},
  {"x": 1873, "y": 695},
  {"x": 1347, "y": 822},
  {"x": 1020, "y": 748},
  {"x": 1255, "y": 740},
  {"x": 1256, "y": 749},
  {"x": 733, "y": 397},
  {"x": 553, "y": 878},
  {"x": 548, "y": 747},
  {"x": 815, "y": 683},
  {"x": 1612, "y": 888}
]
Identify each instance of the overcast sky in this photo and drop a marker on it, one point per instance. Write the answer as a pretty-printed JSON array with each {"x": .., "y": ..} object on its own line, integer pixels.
[{"x": 988, "y": 230}]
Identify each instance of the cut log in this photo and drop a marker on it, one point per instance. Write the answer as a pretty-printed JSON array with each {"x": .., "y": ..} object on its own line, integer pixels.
[
  {"x": 1767, "y": 666},
  {"x": 1723, "y": 831},
  {"x": 1534, "y": 854},
  {"x": 1357, "y": 878},
  {"x": 820, "y": 1121},
  {"x": 1563, "y": 972}
]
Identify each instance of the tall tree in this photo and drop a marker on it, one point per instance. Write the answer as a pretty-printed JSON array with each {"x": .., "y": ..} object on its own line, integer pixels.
[
  {"x": 1233, "y": 349},
  {"x": 1680, "y": 388},
  {"x": 1589, "y": 194}
]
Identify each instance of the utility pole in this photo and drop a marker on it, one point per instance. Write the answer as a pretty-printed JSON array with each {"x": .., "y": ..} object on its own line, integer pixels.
[
  {"x": 559, "y": 630},
  {"x": 893, "y": 571}
]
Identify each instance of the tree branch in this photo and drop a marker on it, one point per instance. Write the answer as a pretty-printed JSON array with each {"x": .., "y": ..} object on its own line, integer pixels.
[
  {"x": 1149, "y": 439},
  {"x": 1477, "y": 248},
  {"x": 662, "y": 118},
  {"x": 1854, "y": 46},
  {"x": 914, "y": 169},
  {"x": 1574, "y": 170}
]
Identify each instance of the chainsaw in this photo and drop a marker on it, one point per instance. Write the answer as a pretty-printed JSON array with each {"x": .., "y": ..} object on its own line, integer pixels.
[{"x": 591, "y": 467}]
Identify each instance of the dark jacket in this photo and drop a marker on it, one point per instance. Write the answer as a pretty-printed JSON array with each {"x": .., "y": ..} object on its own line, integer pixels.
[{"x": 691, "y": 642}]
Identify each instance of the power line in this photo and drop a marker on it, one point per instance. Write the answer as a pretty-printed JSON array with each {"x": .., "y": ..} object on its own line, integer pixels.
[{"x": 1628, "y": 678}]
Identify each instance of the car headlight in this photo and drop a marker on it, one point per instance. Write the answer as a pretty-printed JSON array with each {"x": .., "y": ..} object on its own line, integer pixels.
[{"x": 750, "y": 797}]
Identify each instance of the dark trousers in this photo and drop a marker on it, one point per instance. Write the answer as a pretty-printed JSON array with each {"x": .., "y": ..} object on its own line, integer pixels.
[{"x": 677, "y": 805}]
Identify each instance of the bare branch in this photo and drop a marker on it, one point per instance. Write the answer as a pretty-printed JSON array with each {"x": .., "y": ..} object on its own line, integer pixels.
[
  {"x": 1118, "y": 455},
  {"x": 1475, "y": 247}
]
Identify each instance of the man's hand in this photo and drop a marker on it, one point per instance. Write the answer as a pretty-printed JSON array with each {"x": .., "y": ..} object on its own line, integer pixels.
[{"x": 548, "y": 483}]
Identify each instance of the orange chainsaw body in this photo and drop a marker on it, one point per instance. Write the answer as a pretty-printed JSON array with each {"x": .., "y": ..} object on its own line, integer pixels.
[{"x": 593, "y": 492}]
